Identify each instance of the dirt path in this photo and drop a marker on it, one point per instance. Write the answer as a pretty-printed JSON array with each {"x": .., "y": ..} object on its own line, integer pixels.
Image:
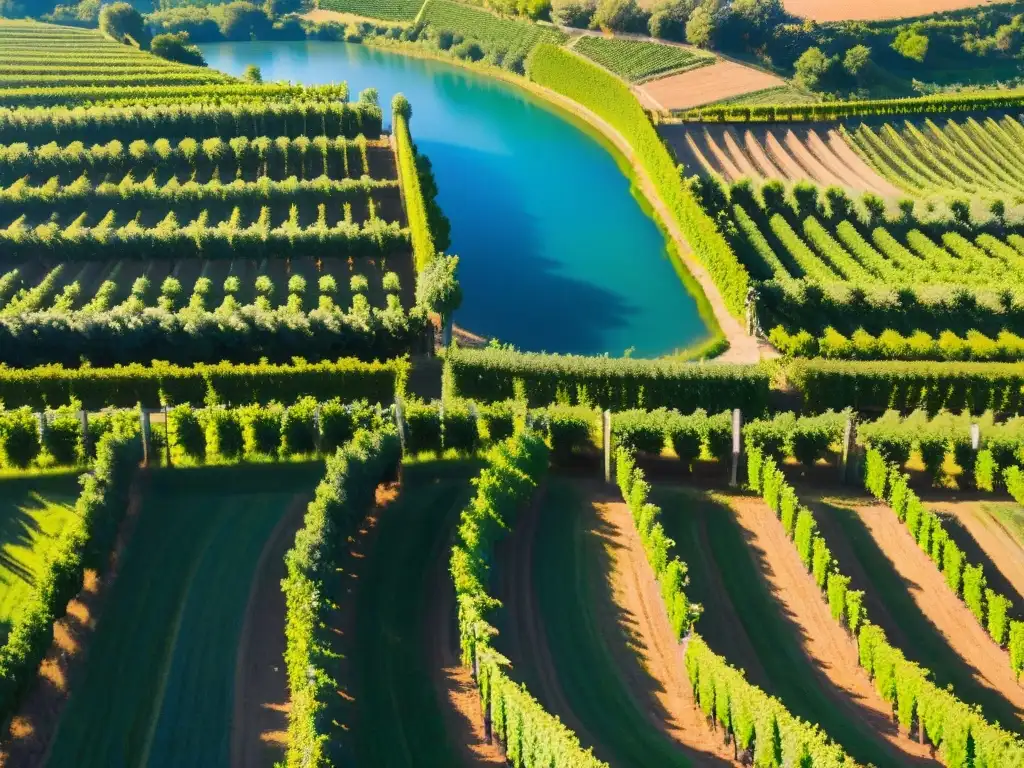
[
  {"x": 641, "y": 615},
  {"x": 456, "y": 690},
  {"x": 998, "y": 543},
  {"x": 259, "y": 727},
  {"x": 928, "y": 588},
  {"x": 824, "y": 640},
  {"x": 27, "y": 741}
]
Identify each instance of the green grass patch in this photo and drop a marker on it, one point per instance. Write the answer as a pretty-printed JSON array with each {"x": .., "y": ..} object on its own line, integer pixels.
[
  {"x": 1010, "y": 515},
  {"x": 395, "y": 719},
  {"x": 775, "y": 640},
  {"x": 158, "y": 688},
  {"x": 387, "y": 10},
  {"x": 33, "y": 510},
  {"x": 636, "y": 60},
  {"x": 569, "y": 570},
  {"x": 925, "y": 643}
]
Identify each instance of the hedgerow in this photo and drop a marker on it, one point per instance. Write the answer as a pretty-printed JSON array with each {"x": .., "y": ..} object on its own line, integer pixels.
[
  {"x": 960, "y": 734},
  {"x": 489, "y": 375},
  {"x": 892, "y": 345},
  {"x": 342, "y": 500},
  {"x": 530, "y": 735},
  {"x": 423, "y": 247},
  {"x": 85, "y": 542},
  {"x": 604, "y": 94},
  {"x": 158, "y": 384}
]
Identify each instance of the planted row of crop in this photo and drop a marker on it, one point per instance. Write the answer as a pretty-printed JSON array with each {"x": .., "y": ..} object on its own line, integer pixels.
[
  {"x": 638, "y": 60},
  {"x": 891, "y": 345},
  {"x": 960, "y": 733},
  {"x": 238, "y": 157},
  {"x": 760, "y": 726}
]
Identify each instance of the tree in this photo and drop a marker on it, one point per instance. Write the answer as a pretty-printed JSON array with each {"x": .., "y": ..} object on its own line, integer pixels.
[
  {"x": 856, "y": 60},
  {"x": 813, "y": 68},
  {"x": 573, "y": 13},
  {"x": 439, "y": 291},
  {"x": 123, "y": 23},
  {"x": 241, "y": 22},
  {"x": 669, "y": 17},
  {"x": 400, "y": 106},
  {"x": 619, "y": 16},
  {"x": 911, "y": 44},
  {"x": 701, "y": 28},
  {"x": 275, "y": 8},
  {"x": 252, "y": 74},
  {"x": 177, "y": 48}
]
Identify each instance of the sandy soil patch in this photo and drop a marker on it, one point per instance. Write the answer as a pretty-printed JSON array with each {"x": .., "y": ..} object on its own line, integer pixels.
[
  {"x": 721, "y": 80},
  {"x": 833, "y": 650},
  {"x": 259, "y": 728},
  {"x": 788, "y": 153},
  {"x": 642, "y": 616},
  {"x": 952, "y": 618},
  {"x": 867, "y": 10},
  {"x": 27, "y": 741},
  {"x": 997, "y": 543}
]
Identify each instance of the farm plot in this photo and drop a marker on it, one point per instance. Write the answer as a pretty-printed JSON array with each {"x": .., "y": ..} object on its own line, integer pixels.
[
  {"x": 871, "y": 10},
  {"x": 407, "y": 699},
  {"x": 387, "y": 10},
  {"x": 935, "y": 157},
  {"x": 910, "y": 601},
  {"x": 170, "y": 634},
  {"x": 721, "y": 80},
  {"x": 33, "y": 511},
  {"x": 637, "y": 60},
  {"x": 764, "y": 613},
  {"x": 590, "y": 640},
  {"x": 34, "y": 55},
  {"x": 787, "y": 153}
]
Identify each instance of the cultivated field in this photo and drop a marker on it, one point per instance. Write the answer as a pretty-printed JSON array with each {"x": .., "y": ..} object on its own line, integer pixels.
[
  {"x": 388, "y": 10},
  {"x": 722, "y": 80},
  {"x": 814, "y": 152},
  {"x": 639, "y": 61},
  {"x": 869, "y": 10},
  {"x": 171, "y": 632}
]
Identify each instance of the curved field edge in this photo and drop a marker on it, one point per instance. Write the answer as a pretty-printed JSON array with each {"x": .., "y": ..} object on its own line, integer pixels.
[{"x": 170, "y": 634}]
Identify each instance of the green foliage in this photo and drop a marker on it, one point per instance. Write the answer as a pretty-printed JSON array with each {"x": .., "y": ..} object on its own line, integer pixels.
[
  {"x": 123, "y": 23},
  {"x": 186, "y": 435},
  {"x": 569, "y": 430},
  {"x": 423, "y": 427},
  {"x": 224, "y": 438},
  {"x": 299, "y": 430},
  {"x": 637, "y": 60},
  {"x": 63, "y": 440},
  {"x": 85, "y": 542},
  {"x": 438, "y": 286},
  {"x": 459, "y": 428},
  {"x": 177, "y": 48},
  {"x": 261, "y": 429},
  {"x": 642, "y": 431},
  {"x": 342, "y": 500},
  {"x": 975, "y": 584},
  {"x": 998, "y": 623},
  {"x": 1016, "y": 647},
  {"x": 19, "y": 438},
  {"x": 891, "y": 345},
  {"x": 424, "y": 249},
  {"x": 572, "y": 76},
  {"x": 387, "y": 10},
  {"x": 488, "y": 375}
]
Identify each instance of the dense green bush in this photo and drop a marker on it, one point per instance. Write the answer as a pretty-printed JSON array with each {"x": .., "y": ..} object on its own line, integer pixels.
[
  {"x": 423, "y": 430},
  {"x": 570, "y": 430},
  {"x": 261, "y": 429},
  {"x": 186, "y": 435},
  {"x": 224, "y": 438},
  {"x": 460, "y": 430},
  {"x": 19, "y": 438},
  {"x": 618, "y": 384},
  {"x": 62, "y": 438},
  {"x": 299, "y": 433},
  {"x": 498, "y": 420},
  {"x": 642, "y": 431}
]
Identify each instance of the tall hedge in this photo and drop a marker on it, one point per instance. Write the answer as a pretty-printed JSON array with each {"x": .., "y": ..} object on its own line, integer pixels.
[
  {"x": 423, "y": 248},
  {"x": 616, "y": 383},
  {"x": 342, "y": 500},
  {"x": 160, "y": 383},
  {"x": 84, "y": 542},
  {"x": 603, "y": 93},
  {"x": 902, "y": 386}
]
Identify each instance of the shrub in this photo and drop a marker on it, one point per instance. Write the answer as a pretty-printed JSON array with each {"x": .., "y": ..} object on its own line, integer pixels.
[
  {"x": 686, "y": 434},
  {"x": 569, "y": 430},
  {"x": 224, "y": 438},
  {"x": 423, "y": 427},
  {"x": 19, "y": 437},
  {"x": 261, "y": 429},
  {"x": 498, "y": 420},
  {"x": 642, "y": 431},
  {"x": 460, "y": 431},
  {"x": 337, "y": 425},
  {"x": 298, "y": 428}
]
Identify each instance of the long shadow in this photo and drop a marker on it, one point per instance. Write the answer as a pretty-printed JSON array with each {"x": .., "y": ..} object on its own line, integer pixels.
[
  {"x": 779, "y": 642},
  {"x": 925, "y": 643},
  {"x": 573, "y": 592},
  {"x": 977, "y": 555}
]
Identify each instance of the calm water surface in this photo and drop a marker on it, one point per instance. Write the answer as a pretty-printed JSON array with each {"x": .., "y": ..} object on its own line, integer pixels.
[{"x": 557, "y": 253}]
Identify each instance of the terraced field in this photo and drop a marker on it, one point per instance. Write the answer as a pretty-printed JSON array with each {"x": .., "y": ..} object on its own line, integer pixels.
[{"x": 639, "y": 61}]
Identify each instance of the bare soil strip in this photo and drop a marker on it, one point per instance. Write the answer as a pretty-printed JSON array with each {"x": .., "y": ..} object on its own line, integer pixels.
[
  {"x": 27, "y": 741},
  {"x": 832, "y": 649},
  {"x": 259, "y": 727},
  {"x": 871, "y": 10},
  {"x": 456, "y": 689},
  {"x": 947, "y": 612},
  {"x": 642, "y": 617},
  {"x": 998, "y": 543},
  {"x": 721, "y": 80}
]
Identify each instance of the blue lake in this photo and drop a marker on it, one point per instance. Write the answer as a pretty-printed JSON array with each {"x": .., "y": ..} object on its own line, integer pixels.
[{"x": 557, "y": 253}]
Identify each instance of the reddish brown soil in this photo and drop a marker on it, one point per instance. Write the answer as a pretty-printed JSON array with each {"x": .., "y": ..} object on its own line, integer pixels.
[
  {"x": 786, "y": 153},
  {"x": 259, "y": 728},
  {"x": 868, "y": 10},
  {"x": 454, "y": 683},
  {"x": 998, "y": 543},
  {"x": 823, "y": 639},
  {"x": 721, "y": 80},
  {"x": 27, "y": 741},
  {"x": 944, "y": 609},
  {"x": 640, "y": 615}
]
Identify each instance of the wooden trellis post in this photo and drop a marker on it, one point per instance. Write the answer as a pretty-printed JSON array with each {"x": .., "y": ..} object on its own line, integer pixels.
[{"x": 737, "y": 424}]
